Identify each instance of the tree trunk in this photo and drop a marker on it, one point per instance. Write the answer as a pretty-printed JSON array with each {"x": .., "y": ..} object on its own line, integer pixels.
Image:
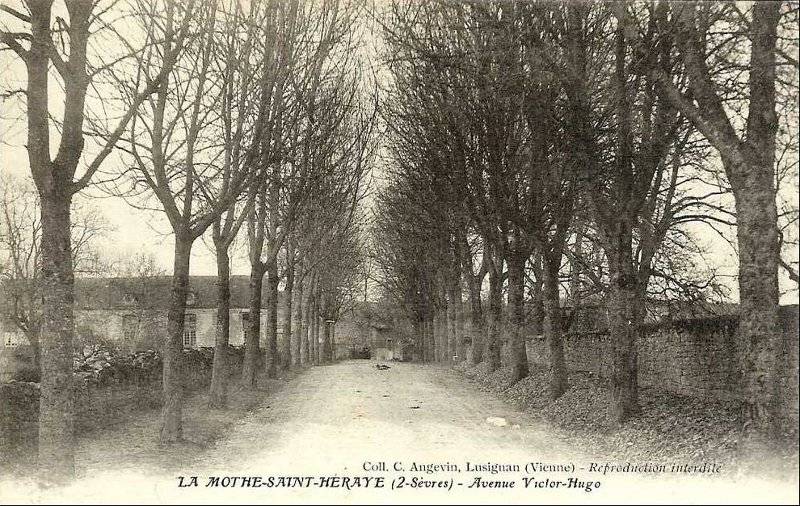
[
  {"x": 749, "y": 163},
  {"x": 444, "y": 333},
  {"x": 286, "y": 342},
  {"x": 218, "y": 393},
  {"x": 171, "y": 413},
  {"x": 516, "y": 296},
  {"x": 297, "y": 335},
  {"x": 495, "y": 329},
  {"x": 419, "y": 341},
  {"x": 553, "y": 328},
  {"x": 315, "y": 331},
  {"x": 477, "y": 323},
  {"x": 537, "y": 295},
  {"x": 326, "y": 341},
  {"x": 252, "y": 350},
  {"x": 305, "y": 353},
  {"x": 273, "y": 358},
  {"x": 461, "y": 344},
  {"x": 456, "y": 323},
  {"x": 56, "y": 402},
  {"x": 438, "y": 335},
  {"x": 758, "y": 239},
  {"x": 331, "y": 341},
  {"x": 624, "y": 320}
]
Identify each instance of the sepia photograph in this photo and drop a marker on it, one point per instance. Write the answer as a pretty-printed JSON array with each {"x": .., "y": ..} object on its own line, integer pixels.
[{"x": 399, "y": 252}]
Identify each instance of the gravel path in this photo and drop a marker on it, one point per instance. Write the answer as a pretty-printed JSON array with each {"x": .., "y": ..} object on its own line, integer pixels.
[{"x": 336, "y": 420}]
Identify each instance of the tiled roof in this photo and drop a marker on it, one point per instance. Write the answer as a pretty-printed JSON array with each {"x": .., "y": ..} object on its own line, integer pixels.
[{"x": 154, "y": 292}]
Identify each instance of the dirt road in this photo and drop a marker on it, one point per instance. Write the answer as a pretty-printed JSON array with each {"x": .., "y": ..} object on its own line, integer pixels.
[{"x": 353, "y": 420}]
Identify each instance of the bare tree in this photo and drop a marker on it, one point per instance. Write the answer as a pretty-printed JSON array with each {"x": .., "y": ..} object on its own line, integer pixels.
[
  {"x": 238, "y": 114},
  {"x": 32, "y": 37},
  {"x": 20, "y": 253},
  {"x": 748, "y": 157},
  {"x": 173, "y": 146}
]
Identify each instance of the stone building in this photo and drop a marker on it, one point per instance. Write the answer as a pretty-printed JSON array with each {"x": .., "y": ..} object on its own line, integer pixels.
[{"x": 131, "y": 313}]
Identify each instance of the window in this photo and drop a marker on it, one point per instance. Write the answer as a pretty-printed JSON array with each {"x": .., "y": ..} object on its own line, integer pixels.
[
  {"x": 190, "y": 331},
  {"x": 130, "y": 324},
  {"x": 191, "y": 298}
]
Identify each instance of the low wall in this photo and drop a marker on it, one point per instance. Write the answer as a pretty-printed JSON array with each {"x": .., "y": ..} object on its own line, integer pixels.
[
  {"x": 97, "y": 403},
  {"x": 698, "y": 358}
]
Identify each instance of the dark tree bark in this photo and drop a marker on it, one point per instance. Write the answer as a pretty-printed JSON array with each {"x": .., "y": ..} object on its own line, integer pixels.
[
  {"x": 56, "y": 183},
  {"x": 431, "y": 339},
  {"x": 624, "y": 324},
  {"x": 56, "y": 405},
  {"x": 315, "y": 344},
  {"x": 421, "y": 330},
  {"x": 495, "y": 326},
  {"x": 252, "y": 351},
  {"x": 477, "y": 319},
  {"x": 324, "y": 349},
  {"x": 171, "y": 413},
  {"x": 286, "y": 342},
  {"x": 552, "y": 328},
  {"x": 305, "y": 333},
  {"x": 749, "y": 163},
  {"x": 455, "y": 317},
  {"x": 477, "y": 323},
  {"x": 443, "y": 327},
  {"x": 516, "y": 298},
  {"x": 327, "y": 352},
  {"x": 273, "y": 357},
  {"x": 218, "y": 392},
  {"x": 297, "y": 335},
  {"x": 575, "y": 267},
  {"x": 537, "y": 296}
]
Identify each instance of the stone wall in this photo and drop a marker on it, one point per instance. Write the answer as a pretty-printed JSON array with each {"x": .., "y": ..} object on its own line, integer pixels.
[
  {"x": 698, "y": 357},
  {"x": 97, "y": 403}
]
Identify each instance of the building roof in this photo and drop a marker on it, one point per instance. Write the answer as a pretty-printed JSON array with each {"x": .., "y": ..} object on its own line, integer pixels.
[{"x": 154, "y": 292}]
